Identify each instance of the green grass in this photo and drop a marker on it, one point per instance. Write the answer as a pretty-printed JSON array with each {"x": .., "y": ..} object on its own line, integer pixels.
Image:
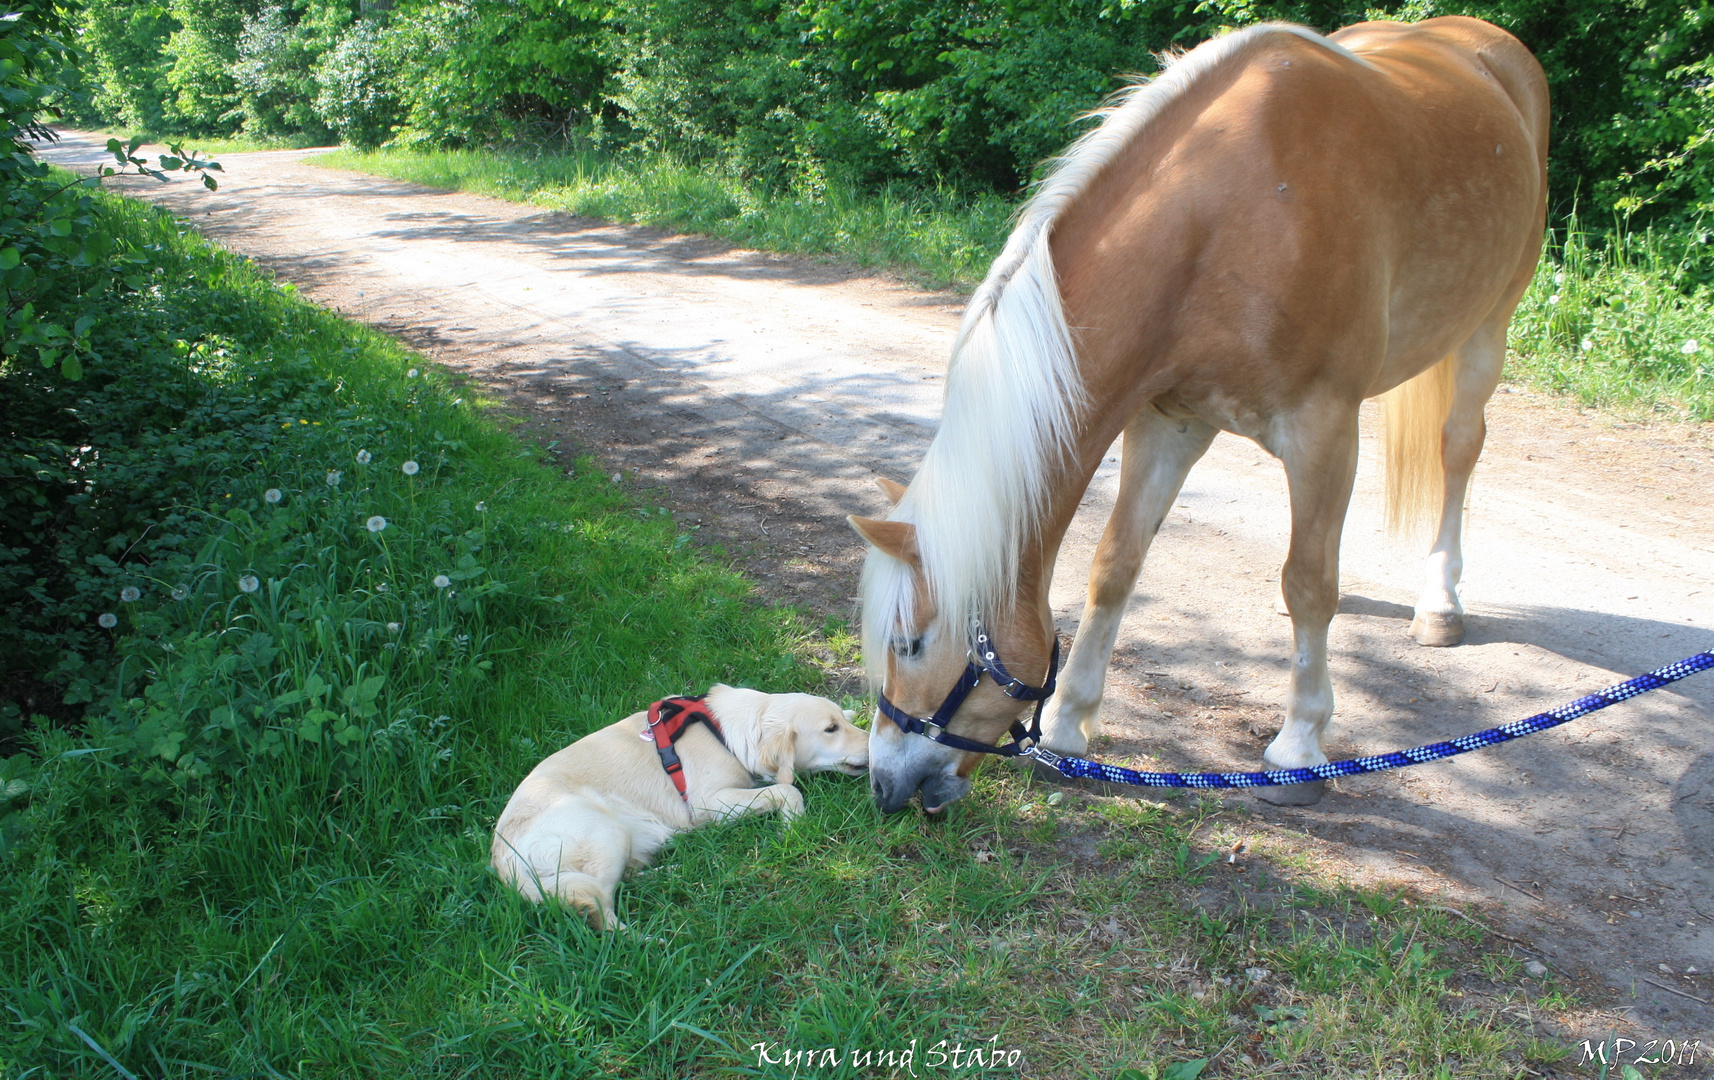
[
  {"x": 1623, "y": 294},
  {"x": 267, "y": 858},
  {"x": 936, "y": 238},
  {"x": 1615, "y": 320},
  {"x": 214, "y": 144}
]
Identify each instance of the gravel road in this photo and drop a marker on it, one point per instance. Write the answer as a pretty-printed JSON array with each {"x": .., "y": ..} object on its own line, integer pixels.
[{"x": 759, "y": 395}]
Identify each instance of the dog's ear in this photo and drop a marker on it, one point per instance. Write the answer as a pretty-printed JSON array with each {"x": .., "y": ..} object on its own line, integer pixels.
[{"x": 776, "y": 751}]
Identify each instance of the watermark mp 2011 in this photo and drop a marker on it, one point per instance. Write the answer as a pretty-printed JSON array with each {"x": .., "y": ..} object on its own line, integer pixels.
[{"x": 1619, "y": 1051}]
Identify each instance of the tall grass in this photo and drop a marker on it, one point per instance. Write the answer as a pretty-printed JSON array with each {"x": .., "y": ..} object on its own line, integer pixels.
[
  {"x": 938, "y": 237},
  {"x": 267, "y": 856},
  {"x": 1620, "y": 319}
]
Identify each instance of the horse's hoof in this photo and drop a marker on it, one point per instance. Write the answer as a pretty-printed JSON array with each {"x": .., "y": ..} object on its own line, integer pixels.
[
  {"x": 1437, "y": 630},
  {"x": 1293, "y": 794}
]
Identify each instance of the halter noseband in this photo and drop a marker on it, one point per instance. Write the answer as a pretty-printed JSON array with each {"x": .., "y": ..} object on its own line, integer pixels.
[{"x": 982, "y": 659}]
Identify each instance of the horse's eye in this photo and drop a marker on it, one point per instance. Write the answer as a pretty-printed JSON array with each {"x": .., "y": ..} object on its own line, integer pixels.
[{"x": 907, "y": 646}]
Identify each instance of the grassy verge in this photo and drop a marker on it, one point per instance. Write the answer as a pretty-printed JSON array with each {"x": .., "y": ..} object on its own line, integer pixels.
[
  {"x": 217, "y": 144},
  {"x": 936, "y": 238},
  {"x": 263, "y": 851},
  {"x": 1607, "y": 320}
]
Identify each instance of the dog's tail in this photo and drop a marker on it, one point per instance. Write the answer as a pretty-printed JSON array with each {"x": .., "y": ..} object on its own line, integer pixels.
[{"x": 535, "y": 884}]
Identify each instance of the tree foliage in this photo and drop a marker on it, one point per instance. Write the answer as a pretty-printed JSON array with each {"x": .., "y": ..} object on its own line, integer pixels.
[{"x": 959, "y": 93}]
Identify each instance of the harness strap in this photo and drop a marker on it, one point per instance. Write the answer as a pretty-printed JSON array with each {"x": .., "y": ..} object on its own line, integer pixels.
[
  {"x": 669, "y": 719},
  {"x": 983, "y": 659}
]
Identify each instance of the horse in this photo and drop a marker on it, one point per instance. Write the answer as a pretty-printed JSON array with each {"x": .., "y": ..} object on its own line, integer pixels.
[{"x": 1277, "y": 227}]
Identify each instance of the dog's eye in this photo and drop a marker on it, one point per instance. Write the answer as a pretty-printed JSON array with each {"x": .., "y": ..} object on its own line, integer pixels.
[
  {"x": 907, "y": 646},
  {"x": 832, "y": 728}
]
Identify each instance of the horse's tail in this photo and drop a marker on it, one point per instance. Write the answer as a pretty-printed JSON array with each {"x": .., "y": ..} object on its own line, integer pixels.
[{"x": 1416, "y": 413}]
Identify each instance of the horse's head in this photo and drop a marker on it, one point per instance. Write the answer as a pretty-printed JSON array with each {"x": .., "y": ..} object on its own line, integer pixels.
[{"x": 918, "y": 650}]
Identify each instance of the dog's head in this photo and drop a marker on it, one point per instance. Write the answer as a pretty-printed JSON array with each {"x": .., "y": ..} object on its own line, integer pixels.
[{"x": 797, "y": 733}]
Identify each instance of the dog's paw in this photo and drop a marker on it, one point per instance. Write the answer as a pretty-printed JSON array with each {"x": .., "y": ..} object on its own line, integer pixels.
[{"x": 790, "y": 801}]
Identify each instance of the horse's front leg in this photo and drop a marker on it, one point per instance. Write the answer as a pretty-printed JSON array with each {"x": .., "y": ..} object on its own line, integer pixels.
[
  {"x": 1320, "y": 454},
  {"x": 1158, "y": 453}
]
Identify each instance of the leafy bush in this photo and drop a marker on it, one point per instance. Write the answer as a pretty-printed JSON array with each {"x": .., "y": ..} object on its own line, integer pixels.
[
  {"x": 479, "y": 71},
  {"x": 357, "y": 96},
  {"x": 277, "y": 68}
]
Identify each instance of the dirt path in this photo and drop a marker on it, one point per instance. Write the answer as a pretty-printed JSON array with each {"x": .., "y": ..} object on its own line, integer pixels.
[{"x": 762, "y": 394}]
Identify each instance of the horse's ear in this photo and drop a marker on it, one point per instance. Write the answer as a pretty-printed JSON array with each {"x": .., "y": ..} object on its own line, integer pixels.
[
  {"x": 895, "y": 490},
  {"x": 896, "y": 538}
]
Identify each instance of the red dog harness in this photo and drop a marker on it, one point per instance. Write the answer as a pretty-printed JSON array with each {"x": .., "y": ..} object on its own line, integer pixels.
[{"x": 670, "y": 718}]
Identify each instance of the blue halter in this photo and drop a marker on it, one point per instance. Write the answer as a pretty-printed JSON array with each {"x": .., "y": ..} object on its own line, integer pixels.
[{"x": 982, "y": 659}]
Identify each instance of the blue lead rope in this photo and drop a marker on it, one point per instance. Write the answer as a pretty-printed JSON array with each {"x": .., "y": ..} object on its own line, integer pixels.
[{"x": 1517, "y": 729}]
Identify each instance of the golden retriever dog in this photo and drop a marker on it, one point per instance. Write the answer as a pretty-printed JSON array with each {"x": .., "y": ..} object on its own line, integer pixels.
[{"x": 607, "y": 803}]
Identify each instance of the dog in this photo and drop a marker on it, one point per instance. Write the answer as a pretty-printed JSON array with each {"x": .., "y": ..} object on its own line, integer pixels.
[{"x": 611, "y": 799}]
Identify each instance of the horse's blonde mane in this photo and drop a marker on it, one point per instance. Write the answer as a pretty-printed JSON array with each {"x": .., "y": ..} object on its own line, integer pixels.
[{"x": 1013, "y": 391}]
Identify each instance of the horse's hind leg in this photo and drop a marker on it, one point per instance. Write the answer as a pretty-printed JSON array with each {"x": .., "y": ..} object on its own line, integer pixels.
[
  {"x": 1159, "y": 451},
  {"x": 1439, "y": 618},
  {"x": 1320, "y": 455}
]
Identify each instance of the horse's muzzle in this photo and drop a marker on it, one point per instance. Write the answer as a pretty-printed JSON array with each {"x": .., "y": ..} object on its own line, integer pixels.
[{"x": 938, "y": 791}]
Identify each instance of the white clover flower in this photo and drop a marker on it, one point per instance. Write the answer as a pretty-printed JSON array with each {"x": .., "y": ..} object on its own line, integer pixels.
[
  {"x": 273, "y": 495},
  {"x": 376, "y": 523},
  {"x": 441, "y": 581},
  {"x": 411, "y": 374},
  {"x": 1586, "y": 344},
  {"x": 1690, "y": 347},
  {"x": 334, "y": 477},
  {"x": 180, "y": 592},
  {"x": 130, "y": 594},
  {"x": 249, "y": 583},
  {"x": 108, "y": 620},
  {"x": 364, "y": 457},
  {"x": 481, "y": 508},
  {"x": 409, "y": 468},
  {"x": 392, "y": 628}
]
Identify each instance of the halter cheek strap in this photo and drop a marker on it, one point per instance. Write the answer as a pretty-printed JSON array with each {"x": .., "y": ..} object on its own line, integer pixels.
[
  {"x": 669, "y": 719},
  {"x": 983, "y": 659}
]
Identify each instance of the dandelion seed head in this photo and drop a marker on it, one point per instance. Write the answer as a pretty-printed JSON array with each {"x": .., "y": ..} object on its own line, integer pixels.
[
  {"x": 1586, "y": 344},
  {"x": 409, "y": 468},
  {"x": 1554, "y": 299},
  {"x": 334, "y": 477},
  {"x": 1690, "y": 346},
  {"x": 249, "y": 583},
  {"x": 381, "y": 587},
  {"x": 481, "y": 508},
  {"x": 616, "y": 478},
  {"x": 392, "y": 628},
  {"x": 411, "y": 374},
  {"x": 107, "y": 620},
  {"x": 376, "y": 523},
  {"x": 273, "y": 495},
  {"x": 441, "y": 581},
  {"x": 130, "y": 594},
  {"x": 181, "y": 592},
  {"x": 1559, "y": 278},
  {"x": 364, "y": 457}
]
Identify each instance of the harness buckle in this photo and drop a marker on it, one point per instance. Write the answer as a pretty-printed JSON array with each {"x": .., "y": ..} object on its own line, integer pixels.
[{"x": 1045, "y": 756}]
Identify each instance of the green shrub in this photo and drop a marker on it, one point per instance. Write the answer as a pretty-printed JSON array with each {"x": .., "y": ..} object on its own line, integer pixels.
[
  {"x": 277, "y": 68},
  {"x": 357, "y": 96}
]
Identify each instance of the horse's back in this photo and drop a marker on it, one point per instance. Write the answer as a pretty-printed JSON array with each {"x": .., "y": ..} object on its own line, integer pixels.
[{"x": 1335, "y": 211}]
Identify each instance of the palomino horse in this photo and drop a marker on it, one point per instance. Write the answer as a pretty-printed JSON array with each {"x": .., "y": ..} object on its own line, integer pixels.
[{"x": 1277, "y": 227}]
